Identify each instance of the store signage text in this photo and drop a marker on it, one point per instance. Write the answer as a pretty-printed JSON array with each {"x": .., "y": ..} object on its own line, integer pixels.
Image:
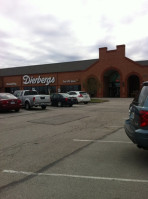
[
  {"x": 11, "y": 84},
  {"x": 70, "y": 81},
  {"x": 38, "y": 80}
]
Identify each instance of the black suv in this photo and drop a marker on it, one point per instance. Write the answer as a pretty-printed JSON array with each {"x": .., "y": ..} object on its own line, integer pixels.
[{"x": 136, "y": 127}]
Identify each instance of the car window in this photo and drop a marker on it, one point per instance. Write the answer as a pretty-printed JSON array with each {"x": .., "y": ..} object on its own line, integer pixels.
[
  {"x": 17, "y": 94},
  {"x": 30, "y": 93},
  {"x": 143, "y": 95},
  {"x": 54, "y": 96},
  {"x": 72, "y": 93},
  {"x": 59, "y": 96},
  {"x": 146, "y": 102}
]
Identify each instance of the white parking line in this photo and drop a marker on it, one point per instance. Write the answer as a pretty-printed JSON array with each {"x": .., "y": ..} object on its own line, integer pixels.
[
  {"x": 115, "y": 126},
  {"x": 74, "y": 176},
  {"x": 122, "y": 142}
]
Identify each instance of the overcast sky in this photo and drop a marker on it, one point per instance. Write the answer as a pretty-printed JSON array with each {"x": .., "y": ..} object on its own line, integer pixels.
[{"x": 51, "y": 31}]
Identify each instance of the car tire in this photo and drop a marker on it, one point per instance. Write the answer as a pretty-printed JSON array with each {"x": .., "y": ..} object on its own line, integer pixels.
[
  {"x": 59, "y": 104},
  {"x": 85, "y": 102},
  {"x": 27, "y": 106},
  {"x": 17, "y": 110},
  {"x": 43, "y": 107}
]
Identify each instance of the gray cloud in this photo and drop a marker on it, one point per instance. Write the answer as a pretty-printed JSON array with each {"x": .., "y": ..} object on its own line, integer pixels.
[
  {"x": 39, "y": 38},
  {"x": 138, "y": 49},
  {"x": 106, "y": 23}
]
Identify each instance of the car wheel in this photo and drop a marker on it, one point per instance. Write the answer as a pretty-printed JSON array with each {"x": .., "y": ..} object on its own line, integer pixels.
[
  {"x": 27, "y": 106},
  {"x": 59, "y": 104},
  {"x": 43, "y": 107},
  {"x": 85, "y": 102},
  {"x": 17, "y": 110}
]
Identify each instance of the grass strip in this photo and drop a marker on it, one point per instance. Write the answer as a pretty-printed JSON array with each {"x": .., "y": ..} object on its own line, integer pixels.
[{"x": 97, "y": 100}]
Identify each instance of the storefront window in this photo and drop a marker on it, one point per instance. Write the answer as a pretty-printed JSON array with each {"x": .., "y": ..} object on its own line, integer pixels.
[
  {"x": 11, "y": 89},
  {"x": 42, "y": 89}
]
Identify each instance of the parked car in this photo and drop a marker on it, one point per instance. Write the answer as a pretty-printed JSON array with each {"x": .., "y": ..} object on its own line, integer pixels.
[
  {"x": 62, "y": 99},
  {"x": 31, "y": 98},
  {"x": 136, "y": 127},
  {"x": 81, "y": 96},
  {"x": 9, "y": 102}
]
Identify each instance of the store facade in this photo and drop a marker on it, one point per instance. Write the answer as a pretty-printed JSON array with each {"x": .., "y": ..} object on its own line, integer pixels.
[
  {"x": 43, "y": 83},
  {"x": 112, "y": 75}
]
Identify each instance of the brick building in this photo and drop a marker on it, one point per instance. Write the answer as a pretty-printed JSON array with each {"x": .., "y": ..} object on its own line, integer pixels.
[{"x": 112, "y": 75}]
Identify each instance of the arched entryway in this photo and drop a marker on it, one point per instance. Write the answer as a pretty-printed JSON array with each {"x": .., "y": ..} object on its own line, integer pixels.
[
  {"x": 111, "y": 84},
  {"x": 133, "y": 84},
  {"x": 92, "y": 86}
]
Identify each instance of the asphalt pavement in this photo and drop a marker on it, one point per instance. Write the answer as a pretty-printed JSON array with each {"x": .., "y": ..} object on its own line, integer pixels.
[{"x": 78, "y": 152}]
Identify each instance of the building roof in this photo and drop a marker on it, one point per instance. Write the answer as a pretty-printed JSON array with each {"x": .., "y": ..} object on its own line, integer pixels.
[
  {"x": 143, "y": 63},
  {"x": 48, "y": 68},
  {"x": 54, "y": 67}
]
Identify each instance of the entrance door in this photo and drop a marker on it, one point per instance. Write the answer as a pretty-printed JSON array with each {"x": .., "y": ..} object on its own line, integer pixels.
[{"x": 111, "y": 84}]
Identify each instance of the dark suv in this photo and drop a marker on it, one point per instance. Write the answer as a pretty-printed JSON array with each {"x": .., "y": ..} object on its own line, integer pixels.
[{"x": 136, "y": 127}]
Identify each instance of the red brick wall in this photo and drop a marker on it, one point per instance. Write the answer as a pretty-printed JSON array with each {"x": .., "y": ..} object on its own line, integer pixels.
[
  {"x": 115, "y": 60},
  {"x": 108, "y": 60}
]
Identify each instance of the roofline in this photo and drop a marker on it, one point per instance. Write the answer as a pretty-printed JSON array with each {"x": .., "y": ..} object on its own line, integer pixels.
[{"x": 56, "y": 63}]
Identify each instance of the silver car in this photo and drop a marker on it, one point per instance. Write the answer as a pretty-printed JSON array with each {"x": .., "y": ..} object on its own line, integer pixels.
[{"x": 81, "y": 96}]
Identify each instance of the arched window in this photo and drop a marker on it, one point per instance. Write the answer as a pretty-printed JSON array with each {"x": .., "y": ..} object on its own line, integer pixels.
[{"x": 133, "y": 84}]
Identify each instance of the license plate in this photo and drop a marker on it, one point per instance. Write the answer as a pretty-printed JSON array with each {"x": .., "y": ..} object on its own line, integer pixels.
[{"x": 12, "y": 102}]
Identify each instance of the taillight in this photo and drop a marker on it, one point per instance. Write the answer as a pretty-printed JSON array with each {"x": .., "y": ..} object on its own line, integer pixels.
[
  {"x": 143, "y": 118},
  {"x": 33, "y": 99},
  {"x": 80, "y": 95},
  {"x": 3, "y": 102},
  {"x": 66, "y": 99},
  {"x": 19, "y": 101}
]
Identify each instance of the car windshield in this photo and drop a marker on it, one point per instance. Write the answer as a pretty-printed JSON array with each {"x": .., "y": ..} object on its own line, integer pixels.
[
  {"x": 65, "y": 94},
  {"x": 7, "y": 96}
]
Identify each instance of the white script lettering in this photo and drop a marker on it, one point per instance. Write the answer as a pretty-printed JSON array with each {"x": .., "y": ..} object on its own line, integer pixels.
[{"x": 37, "y": 80}]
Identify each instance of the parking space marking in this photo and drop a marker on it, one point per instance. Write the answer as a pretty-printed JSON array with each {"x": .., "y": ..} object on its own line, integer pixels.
[
  {"x": 115, "y": 126},
  {"x": 75, "y": 176},
  {"x": 120, "y": 142}
]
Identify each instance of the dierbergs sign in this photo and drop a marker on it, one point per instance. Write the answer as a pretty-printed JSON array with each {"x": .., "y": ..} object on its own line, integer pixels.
[{"x": 38, "y": 80}]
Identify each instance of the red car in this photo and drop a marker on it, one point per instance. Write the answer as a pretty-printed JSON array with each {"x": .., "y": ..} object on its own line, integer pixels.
[{"x": 9, "y": 102}]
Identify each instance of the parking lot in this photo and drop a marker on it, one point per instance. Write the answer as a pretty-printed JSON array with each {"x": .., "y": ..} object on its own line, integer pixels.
[{"x": 71, "y": 152}]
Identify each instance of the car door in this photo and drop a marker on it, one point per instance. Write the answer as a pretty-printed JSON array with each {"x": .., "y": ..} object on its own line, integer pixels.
[
  {"x": 54, "y": 99},
  {"x": 21, "y": 97}
]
